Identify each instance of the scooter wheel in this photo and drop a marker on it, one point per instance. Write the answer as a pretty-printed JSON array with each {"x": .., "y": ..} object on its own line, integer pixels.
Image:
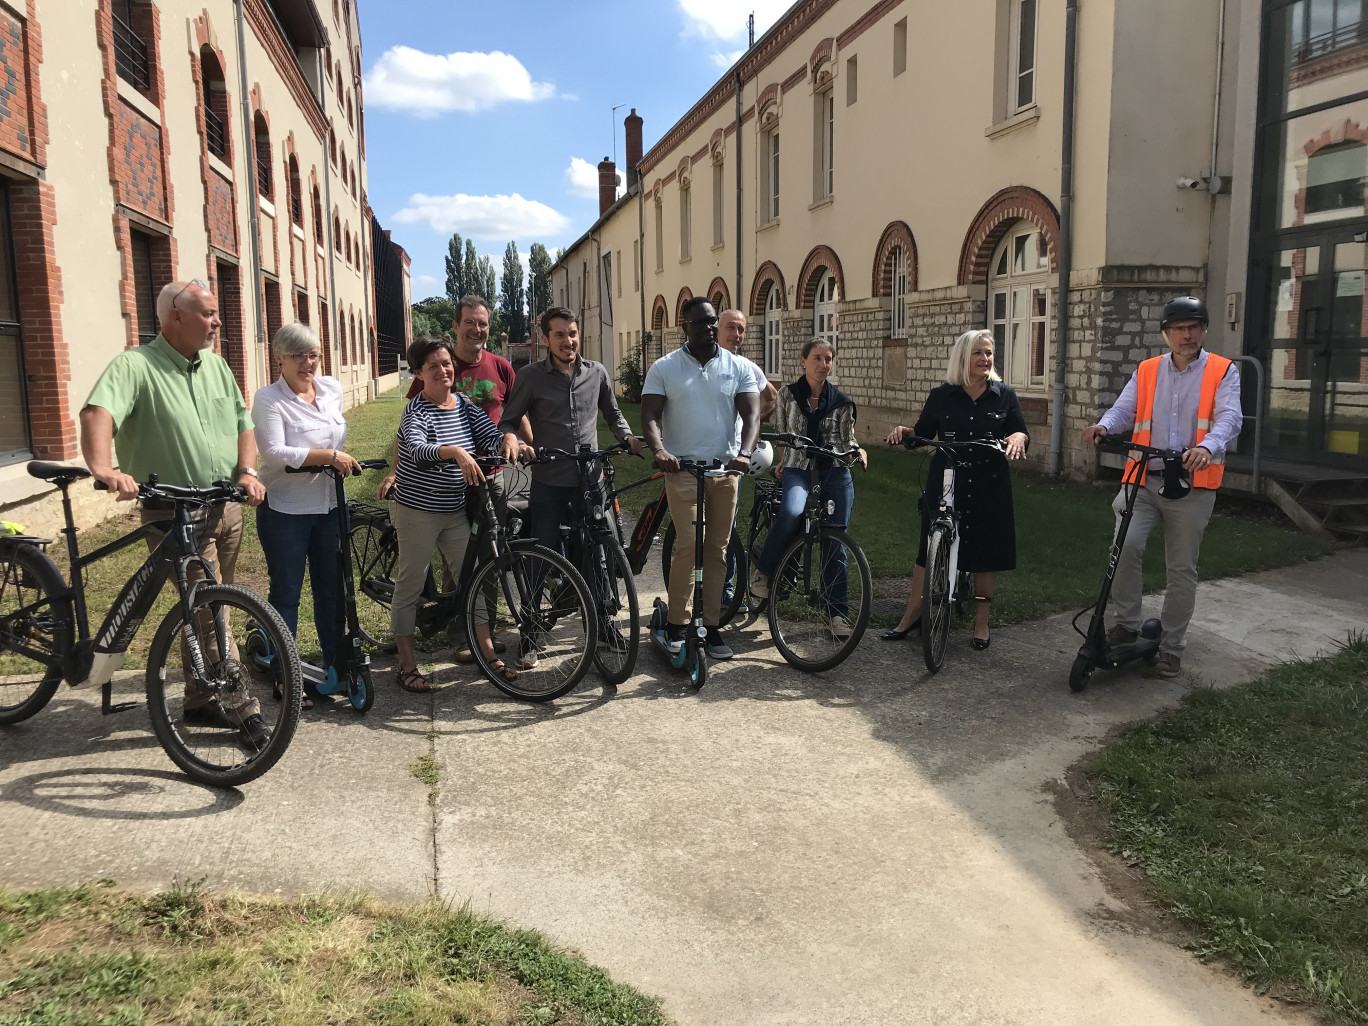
[
  {"x": 360, "y": 690},
  {"x": 256, "y": 648},
  {"x": 1080, "y": 673},
  {"x": 698, "y": 670}
]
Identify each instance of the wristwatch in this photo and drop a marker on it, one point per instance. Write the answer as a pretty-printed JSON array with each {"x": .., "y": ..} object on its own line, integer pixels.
[
  {"x": 246, "y": 470},
  {"x": 746, "y": 453}
]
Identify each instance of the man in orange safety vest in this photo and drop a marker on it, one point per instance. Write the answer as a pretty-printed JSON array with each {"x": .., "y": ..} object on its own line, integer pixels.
[{"x": 1187, "y": 399}]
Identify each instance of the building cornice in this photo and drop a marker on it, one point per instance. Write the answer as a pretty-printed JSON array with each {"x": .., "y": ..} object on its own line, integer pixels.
[{"x": 264, "y": 27}]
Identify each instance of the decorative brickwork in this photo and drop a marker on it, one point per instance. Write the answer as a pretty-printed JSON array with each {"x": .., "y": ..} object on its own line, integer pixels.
[
  {"x": 768, "y": 276},
  {"x": 821, "y": 54},
  {"x": 993, "y": 220},
  {"x": 660, "y": 315},
  {"x": 896, "y": 234},
  {"x": 719, "y": 295},
  {"x": 820, "y": 257},
  {"x": 16, "y": 132},
  {"x": 684, "y": 296},
  {"x": 220, "y": 194},
  {"x": 138, "y": 162}
]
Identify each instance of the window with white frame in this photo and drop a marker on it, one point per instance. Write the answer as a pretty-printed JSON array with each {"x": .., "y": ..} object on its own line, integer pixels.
[
  {"x": 685, "y": 223},
  {"x": 769, "y": 176},
  {"x": 824, "y": 308},
  {"x": 824, "y": 135},
  {"x": 773, "y": 306},
  {"x": 1018, "y": 306},
  {"x": 717, "y": 203},
  {"x": 897, "y": 273},
  {"x": 1021, "y": 84}
]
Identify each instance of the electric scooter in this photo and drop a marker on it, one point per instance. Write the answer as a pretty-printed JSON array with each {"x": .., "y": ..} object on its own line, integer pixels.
[
  {"x": 1095, "y": 651},
  {"x": 350, "y": 673},
  {"x": 693, "y": 653}
]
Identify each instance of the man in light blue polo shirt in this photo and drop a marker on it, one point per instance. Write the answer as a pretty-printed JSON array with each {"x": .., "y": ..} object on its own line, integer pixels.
[{"x": 689, "y": 405}]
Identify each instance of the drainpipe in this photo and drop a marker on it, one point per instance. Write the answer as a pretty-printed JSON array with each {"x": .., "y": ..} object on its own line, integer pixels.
[
  {"x": 329, "y": 242},
  {"x": 641, "y": 260},
  {"x": 253, "y": 219},
  {"x": 1065, "y": 237},
  {"x": 737, "y": 78}
]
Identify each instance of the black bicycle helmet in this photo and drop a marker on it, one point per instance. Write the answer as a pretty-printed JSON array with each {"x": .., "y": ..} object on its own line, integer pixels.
[{"x": 1184, "y": 308}]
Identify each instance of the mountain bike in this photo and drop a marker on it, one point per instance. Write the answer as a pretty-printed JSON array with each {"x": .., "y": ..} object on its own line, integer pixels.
[
  {"x": 598, "y": 556},
  {"x": 508, "y": 593},
  {"x": 946, "y": 589},
  {"x": 818, "y": 606},
  {"x": 45, "y": 638}
]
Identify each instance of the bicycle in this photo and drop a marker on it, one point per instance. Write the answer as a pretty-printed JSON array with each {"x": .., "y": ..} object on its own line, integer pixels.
[
  {"x": 45, "y": 637},
  {"x": 652, "y": 525},
  {"x": 600, "y": 559},
  {"x": 945, "y": 588},
  {"x": 505, "y": 589},
  {"x": 813, "y": 593}
]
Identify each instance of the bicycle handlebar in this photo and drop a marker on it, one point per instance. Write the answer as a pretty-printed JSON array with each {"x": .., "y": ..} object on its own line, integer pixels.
[
  {"x": 321, "y": 468},
  {"x": 915, "y": 441},
  {"x": 219, "y": 491},
  {"x": 708, "y": 468},
  {"x": 805, "y": 444},
  {"x": 584, "y": 455}
]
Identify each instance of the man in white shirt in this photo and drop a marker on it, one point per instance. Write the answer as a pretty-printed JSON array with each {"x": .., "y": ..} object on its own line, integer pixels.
[
  {"x": 731, "y": 333},
  {"x": 690, "y": 401}
]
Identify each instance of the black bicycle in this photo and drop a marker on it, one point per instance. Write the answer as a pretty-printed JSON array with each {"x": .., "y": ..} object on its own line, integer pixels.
[
  {"x": 508, "y": 594},
  {"x": 598, "y": 555},
  {"x": 223, "y": 726},
  {"x": 818, "y": 605}
]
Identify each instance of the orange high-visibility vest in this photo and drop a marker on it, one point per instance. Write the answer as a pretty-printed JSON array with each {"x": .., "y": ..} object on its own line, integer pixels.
[{"x": 1146, "y": 380}]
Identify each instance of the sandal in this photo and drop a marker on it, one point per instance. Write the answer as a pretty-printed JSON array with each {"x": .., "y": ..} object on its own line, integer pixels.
[
  {"x": 413, "y": 680},
  {"x": 305, "y": 703},
  {"x": 981, "y": 644},
  {"x": 498, "y": 666}
]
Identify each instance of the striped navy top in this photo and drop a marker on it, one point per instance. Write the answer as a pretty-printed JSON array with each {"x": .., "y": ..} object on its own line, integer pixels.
[{"x": 423, "y": 429}]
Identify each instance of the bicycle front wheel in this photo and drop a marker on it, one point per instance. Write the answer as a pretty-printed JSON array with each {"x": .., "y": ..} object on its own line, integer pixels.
[
  {"x": 736, "y": 554},
  {"x": 537, "y": 603},
  {"x": 208, "y": 724},
  {"x": 375, "y": 552},
  {"x": 35, "y": 632},
  {"x": 820, "y": 598},
  {"x": 936, "y": 607},
  {"x": 615, "y": 652}
]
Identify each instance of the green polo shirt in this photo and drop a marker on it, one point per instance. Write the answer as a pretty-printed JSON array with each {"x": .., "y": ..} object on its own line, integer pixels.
[{"x": 173, "y": 417}]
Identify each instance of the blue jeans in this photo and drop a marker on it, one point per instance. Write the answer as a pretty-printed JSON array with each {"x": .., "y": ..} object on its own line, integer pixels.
[
  {"x": 287, "y": 540},
  {"x": 837, "y": 485}
]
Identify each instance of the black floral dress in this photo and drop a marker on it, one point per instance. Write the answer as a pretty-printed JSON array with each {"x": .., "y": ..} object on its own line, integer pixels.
[{"x": 983, "y": 487}]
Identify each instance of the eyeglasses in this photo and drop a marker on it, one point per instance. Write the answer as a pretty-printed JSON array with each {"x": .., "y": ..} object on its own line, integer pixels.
[
  {"x": 312, "y": 357},
  {"x": 193, "y": 281}
]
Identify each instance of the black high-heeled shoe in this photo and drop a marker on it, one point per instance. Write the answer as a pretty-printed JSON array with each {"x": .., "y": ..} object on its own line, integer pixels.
[
  {"x": 981, "y": 644},
  {"x": 893, "y": 634}
]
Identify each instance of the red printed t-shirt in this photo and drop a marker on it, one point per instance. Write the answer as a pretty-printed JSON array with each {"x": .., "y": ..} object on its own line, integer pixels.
[{"x": 486, "y": 382}]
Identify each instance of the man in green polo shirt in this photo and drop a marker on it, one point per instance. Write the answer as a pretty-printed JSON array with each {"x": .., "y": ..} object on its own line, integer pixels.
[{"x": 172, "y": 408}]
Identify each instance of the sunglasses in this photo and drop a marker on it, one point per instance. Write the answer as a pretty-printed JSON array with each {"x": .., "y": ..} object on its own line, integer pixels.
[{"x": 193, "y": 281}]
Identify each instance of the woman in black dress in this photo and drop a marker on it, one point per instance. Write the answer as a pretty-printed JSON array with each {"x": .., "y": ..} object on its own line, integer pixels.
[{"x": 973, "y": 405}]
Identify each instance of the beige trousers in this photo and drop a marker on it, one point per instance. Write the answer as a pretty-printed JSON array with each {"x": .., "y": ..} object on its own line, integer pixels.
[{"x": 719, "y": 498}]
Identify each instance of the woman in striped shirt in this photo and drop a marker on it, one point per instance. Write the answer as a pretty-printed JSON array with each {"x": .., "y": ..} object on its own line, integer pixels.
[{"x": 427, "y": 505}]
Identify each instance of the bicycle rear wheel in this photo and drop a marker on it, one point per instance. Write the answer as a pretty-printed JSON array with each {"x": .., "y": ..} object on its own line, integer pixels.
[
  {"x": 615, "y": 652},
  {"x": 543, "y": 612},
  {"x": 936, "y": 607},
  {"x": 736, "y": 551},
  {"x": 820, "y": 598},
  {"x": 375, "y": 552},
  {"x": 208, "y": 741},
  {"x": 36, "y": 631}
]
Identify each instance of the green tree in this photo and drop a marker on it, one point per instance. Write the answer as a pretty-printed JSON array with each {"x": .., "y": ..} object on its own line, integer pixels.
[
  {"x": 474, "y": 278},
  {"x": 511, "y": 295},
  {"x": 539, "y": 295},
  {"x": 455, "y": 269},
  {"x": 432, "y": 316}
]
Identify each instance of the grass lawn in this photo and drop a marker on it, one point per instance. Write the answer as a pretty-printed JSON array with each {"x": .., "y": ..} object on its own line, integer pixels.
[
  {"x": 1246, "y": 809},
  {"x": 95, "y": 955},
  {"x": 1063, "y": 533}
]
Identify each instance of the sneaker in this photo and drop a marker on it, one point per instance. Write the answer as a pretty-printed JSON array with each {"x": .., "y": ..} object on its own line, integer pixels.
[
  {"x": 611, "y": 638},
  {"x": 1120, "y": 635},
  {"x": 759, "y": 585},
  {"x": 529, "y": 659},
  {"x": 255, "y": 732},
  {"x": 675, "y": 636},
  {"x": 210, "y": 714},
  {"x": 1166, "y": 664},
  {"x": 841, "y": 627},
  {"x": 716, "y": 647}
]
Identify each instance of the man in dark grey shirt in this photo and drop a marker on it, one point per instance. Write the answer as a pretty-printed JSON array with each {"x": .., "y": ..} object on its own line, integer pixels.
[{"x": 562, "y": 397}]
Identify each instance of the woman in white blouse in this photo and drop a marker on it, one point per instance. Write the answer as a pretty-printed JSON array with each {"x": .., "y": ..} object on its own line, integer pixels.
[{"x": 299, "y": 423}]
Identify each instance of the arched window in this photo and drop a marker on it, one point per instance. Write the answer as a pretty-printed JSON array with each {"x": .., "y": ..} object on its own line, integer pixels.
[
  {"x": 774, "y": 304},
  {"x": 1018, "y": 306},
  {"x": 339, "y": 82},
  {"x": 296, "y": 194},
  {"x": 824, "y": 307},
  {"x": 897, "y": 272},
  {"x": 351, "y": 117},
  {"x": 215, "y": 104},
  {"x": 346, "y": 244},
  {"x": 332, "y": 145},
  {"x": 356, "y": 353},
  {"x": 337, "y": 237},
  {"x": 318, "y": 216},
  {"x": 262, "y": 142},
  {"x": 353, "y": 181}
]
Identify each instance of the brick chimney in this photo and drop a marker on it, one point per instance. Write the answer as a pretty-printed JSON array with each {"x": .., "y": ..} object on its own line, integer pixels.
[
  {"x": 607, "y": 185},
  {"x": 632, "y": 124}
]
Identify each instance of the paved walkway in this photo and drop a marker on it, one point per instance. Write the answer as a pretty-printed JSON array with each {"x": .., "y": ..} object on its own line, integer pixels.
[{"x": 872, "y": 846}]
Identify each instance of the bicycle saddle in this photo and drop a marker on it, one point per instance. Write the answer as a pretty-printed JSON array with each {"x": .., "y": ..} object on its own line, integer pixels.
[{"x": 56, "y": 471}]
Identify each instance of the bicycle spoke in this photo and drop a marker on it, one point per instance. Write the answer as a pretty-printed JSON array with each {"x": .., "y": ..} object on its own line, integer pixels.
[
  {"x": 35, "y": 631},
  {"x": 374, "y": 555},
  {"x": 819, "y": 600}
]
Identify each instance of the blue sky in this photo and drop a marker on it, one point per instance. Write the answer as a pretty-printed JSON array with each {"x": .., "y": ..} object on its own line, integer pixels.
[{"x": 489, "y": 119}]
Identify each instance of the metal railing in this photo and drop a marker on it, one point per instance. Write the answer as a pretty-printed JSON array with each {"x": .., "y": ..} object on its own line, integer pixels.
[
  {"x": 1327, "y": 42},
  {"x": 214, "y": 134},
  {"x": 130, "y": 55},
  {"x": 263, "y": 168}
]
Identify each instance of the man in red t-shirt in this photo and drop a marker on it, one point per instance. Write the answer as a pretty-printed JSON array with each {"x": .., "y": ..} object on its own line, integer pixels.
[{"x": 483, "y": 377}]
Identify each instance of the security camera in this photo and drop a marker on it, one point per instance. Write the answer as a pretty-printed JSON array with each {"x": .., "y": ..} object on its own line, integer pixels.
[{"x": 1191, "y": 183}]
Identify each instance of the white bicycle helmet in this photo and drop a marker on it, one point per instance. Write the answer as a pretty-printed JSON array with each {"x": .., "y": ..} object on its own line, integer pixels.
[{"x": 762, "y": 458}]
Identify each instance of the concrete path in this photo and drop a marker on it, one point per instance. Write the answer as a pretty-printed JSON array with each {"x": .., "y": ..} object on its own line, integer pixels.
[{"x": 869, "y": 846}]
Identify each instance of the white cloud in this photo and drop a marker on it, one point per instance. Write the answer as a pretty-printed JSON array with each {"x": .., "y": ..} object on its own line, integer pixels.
[
  {"x": 484, "y": 217},
  {"x": 724, "y": 19},
  {"x": 428, "y": 84},
  {"x": 425, "y": 281},
  {"x": 726, "y": 60},
  {"x": 581, "y": 178}
]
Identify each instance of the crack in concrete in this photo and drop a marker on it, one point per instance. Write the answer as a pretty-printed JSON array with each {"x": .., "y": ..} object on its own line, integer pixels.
[{"x": 433, "y": 805}]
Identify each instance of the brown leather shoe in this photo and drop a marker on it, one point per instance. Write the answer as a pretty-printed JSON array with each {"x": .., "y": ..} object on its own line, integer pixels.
[
  {"x": 1166, "y": 664},
  {"x": 1119, "y": 635}
]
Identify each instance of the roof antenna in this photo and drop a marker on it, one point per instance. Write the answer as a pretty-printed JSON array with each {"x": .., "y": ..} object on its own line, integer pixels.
[{"x": 751, "y": 26}]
